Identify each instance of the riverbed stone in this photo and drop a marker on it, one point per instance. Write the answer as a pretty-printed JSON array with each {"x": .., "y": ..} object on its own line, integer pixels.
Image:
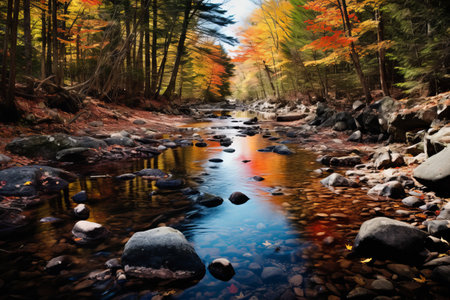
[
  {"x": 439, "y": 228},
  {"x": 201, "y": 144},
  {"x": 81, "y": 211},
  {"x": 348, "y": 161},
  {"x": 126, "y": 176},
  {"x": 169, "y": 184},
  {"x": 45, "y": 146},
  {"x": 77, "y": 154},
  {"x": 382, "y": 285},
  {"x": 86, "y": 232},
  {"x": 29, "y": 180},
  {"x": 161, "y": 253},
  {"x": 57, "y": 264},
  {"x": 152, "y": 174},
  {"x": 271, "y": 274},
  {"x": 4, "y": 159},
  {"x": 412, "y": 201},
  {"x": 80, "y": 197},
  {"x": 238, "y": 198},
  {"x": 216, "y": 160},
  {"x": 121, "y": 141},
  {"x": 360, "y": 293},
  {"x": 222, "y": 269},
  {"x": 209, "y": 200},
  {"x": 355, "y": 137},
  {"x": 282, "y": 149},
  {"x": 435, "y": 172},
  {"x": 12, "y": 221},
  {"x": 337, "y": 179},
  {"x": 441, "y": 274},
  {"x": 390, "y": 239},
  {"x": 391, "y": 189}
]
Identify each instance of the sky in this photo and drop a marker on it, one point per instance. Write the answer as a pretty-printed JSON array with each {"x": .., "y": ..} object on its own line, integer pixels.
[{"x": 241, "y": 10}]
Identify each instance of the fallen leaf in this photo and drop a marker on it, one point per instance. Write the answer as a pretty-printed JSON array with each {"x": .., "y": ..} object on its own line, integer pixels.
[
  {"x": 444, "y": 241},
  {"x": 27, "y": 183},
  {"x": 240, "y": 296},
  {"x": 349, "y": 247},
  {"x": 421, "y": 279},
  {"x": 442, "y": 255},
  {"x": 233, "y": 289},
  {"x": 267, "y": 243},
  {"x": 365, "y": 261}
]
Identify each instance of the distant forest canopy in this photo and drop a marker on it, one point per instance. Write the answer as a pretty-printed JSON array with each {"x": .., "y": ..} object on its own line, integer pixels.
[
  {"x": 116, "y": 49},
  {"x": 344, "y": 48}
]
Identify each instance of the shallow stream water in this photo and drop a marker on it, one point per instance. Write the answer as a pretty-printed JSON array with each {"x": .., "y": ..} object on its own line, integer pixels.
[{"x": 287, "y": 227}]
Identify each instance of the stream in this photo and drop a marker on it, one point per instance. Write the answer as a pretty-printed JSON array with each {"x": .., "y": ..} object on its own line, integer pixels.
[{"x": 290, "y": 226}]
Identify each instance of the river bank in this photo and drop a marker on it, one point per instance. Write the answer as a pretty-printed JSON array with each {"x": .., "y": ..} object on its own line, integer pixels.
[{"x": 301, "y": 247}]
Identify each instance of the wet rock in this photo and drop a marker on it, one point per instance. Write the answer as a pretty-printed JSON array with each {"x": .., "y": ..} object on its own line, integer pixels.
[
  {"x": 121, "y": 141},
  {"x": 57, "y": 264},
  {"x": 161, "y": 253},
  {"x": 355, "y": 137},
  {"x": 51, "y": 220},
  {"x": 209, "y": 200},
  {"x": 434, "y": 173},
  {"x": 336, "y": 179},
  {"x": 401, "y": 270},
  {"x": 357, "y": 105},
  {"x": 382, "y": 285},
  {"x": 439, "y": 228},
  {"x": 390, "y": 239},
  {"x": 45, "y": 146},
  {"x": 216, "y": 160},
  {"x": 441, "y": 274},
  {"x": 113, "y": 264},
  {"x": 238, "y": 198},
  {"x": 201, "y": 144},
  {"x": 251, "y": 121},
  {"x": 152, "y": 174},
  {"x": 222, "y": 269},
  {"x": 441, "y": 261},
  {"x": 53, "y": 184},
  {"x": 296, "y": 280},
  {"x": 29, "y": 180},
  {"x": 391, "y": 189},
  {"x": 229, "y": 150},
  {"x": 431, "y": 206},
  {"x": 80, "y": 197},
  {"x": 412, "y": 201},
  {"x": 139, "y": 122},
  {"x": 340, "y": 126},
  {"x": 282, "y": 149},
  {"x": 360, "y": 293},
  {"x": 96, "y": 123},
  {"x": 437, "y": 142},
  {"x": 257, "y": 178},
  {"x": 11, "y": 221},
  {"x": 289, "y": 118},
  {"x": 81, "y": 211},
  {"x": 4, "y": 159},
  {"x": 383, "y": 160},
  {"x": 86, "y": 232},
  {"x": 169, "y": 184},
  {"x": 435, "y": 244},
  {"x": 349, "y": 161},
  {"x": 271, "y": 274},
  {"x": 445, "y": 213},
  {"x": 78, "y": 154},
  {"x": 126, "y": 176}
]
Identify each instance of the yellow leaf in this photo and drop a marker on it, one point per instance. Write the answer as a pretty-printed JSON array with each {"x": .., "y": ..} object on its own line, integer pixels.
[
  {"x": 349, "y": 247},
  {"x": 27, "y": 183},
  {"x": 267, "y": 243},
  {"x": 365, "y": 261},
  {"x": 442, "y": 255},
  {"x": 444, "y": 241},
  {"x": 421, "y": 279},
  {"x": 240, "y": 296}
]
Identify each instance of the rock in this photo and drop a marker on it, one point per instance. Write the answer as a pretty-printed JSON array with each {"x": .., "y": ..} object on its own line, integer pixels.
[
  {"x": 57, "y": 264},
  {"x": 89, "y": 142},
  {"x": 415, "y": 149},
  {"x": 437, "y": 142},
  {"x": 11, "y": 221},
  {"x": 77, "y": 154},
  {"x": 222, "y": 269},
  {"x": 139, "y": 122},
  {"x": 216, "y": 160},
  {"x": 441, "y": 261},
  {"x": 289, "y": 118},
  {"x": 382, "y": 159},
  {"x": 391, "y": 189},
  {"x": 382, "y": 285},
  {"x": 272, "y": 274},
  {"x": 349, "y": 161},
  {"x": 113, "y": 264},
  {"x": 360, "y": 293},
  {"x": 238, "y": 198},
  {"x": 29, "y": 180},
  {"x": 282, "y": 149},
  {"x": 81, "y": 211},
  {"x": 201, "y": 144},
  {"x": 355, "y": 137},
  {"x": 80, "y": 197},
  {"x": 152, "y": 174},
  {"x": 336, "y": 179},
  {"x": 257, "y": 178},
  {"x": 340, "y": 126},
  {"x": 412, "y": 201},
  {"x": 96, "y": 123},
  {"x": 126, "y": 176},
  {"x": 161, "y": 253},
  {"x": 445, "y": 212},
  {"x": 121, "y": 141},
  {"x": 435, "y": 172},
  {"x": 296, "y": 280},
  {"x": 441, "y": 274},
  {"x": 51, "y": 220},
  {"x": 4, "y": 159},
  {"x": 401, "y": 270},
  {"x": 229, "y": 150},
  {"x": 169, "y": 184},
  {"x": 86, "y": 232},
  {"x": 251, "y": 121},
  {"x": 209, "y": 200},
  {"x": 45, "y": 146},
  {"x": 386, "y": 238},
  {"x": 435, "y": 244},
  {"x": 397, "y": 160},
  {"x": 439, "y": 228},
  {"x": 357, "y": 105}
]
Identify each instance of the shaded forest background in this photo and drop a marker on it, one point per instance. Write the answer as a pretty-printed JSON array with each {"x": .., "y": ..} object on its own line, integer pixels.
[{"x": 126, "y": 51}]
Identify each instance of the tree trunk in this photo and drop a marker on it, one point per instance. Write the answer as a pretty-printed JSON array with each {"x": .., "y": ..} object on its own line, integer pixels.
[
  {"x": 266, "y": 68},
  {"x": 146, "y": 20},
  {"x": 154, "y": 46},
  {"x": 162, "y": 65},
  {"x": 44, "y": 43},
  {"x": 55, "y": 42},
  {"x": 49, "y": 40},
  {"x": 353, "y": 54},
  {"x": 381, "y": 54},
  {"x": 5, "y": 53},
  {"x": 28, "y": 46},
  {"x": 180, "y": 50}
]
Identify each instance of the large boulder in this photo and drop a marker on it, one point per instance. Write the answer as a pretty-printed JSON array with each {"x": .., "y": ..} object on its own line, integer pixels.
[
  {"x": 29, "y": 180},
  {"x": 386, "y": 238},
  {"x": 435, "y": 172},
  {"x": 162, "y": 253}
]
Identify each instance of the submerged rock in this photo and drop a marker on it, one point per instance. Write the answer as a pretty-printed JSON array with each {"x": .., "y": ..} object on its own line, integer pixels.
[
  {"x": 222, "y": 269},
  {"x": 169, "y": 184},
  {"x": 85, "y": 232},
  {"x": 282, "y": 149},
  {"x": 162, "y": 253},
  {"x": 57, "y": 264},
  {"x": 152, "y": 174},
  {"x": 209, "y": 200},
  {"x": 238, "y": 198},
  {"x": 386, "y": 238}
]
